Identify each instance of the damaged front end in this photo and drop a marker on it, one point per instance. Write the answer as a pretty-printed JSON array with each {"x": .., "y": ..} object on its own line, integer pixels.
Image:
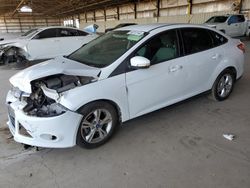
[
  {"x": 46, "y": 93},
  {"x": 13, "y": 54},
  {"x": 38, "y": 118}
]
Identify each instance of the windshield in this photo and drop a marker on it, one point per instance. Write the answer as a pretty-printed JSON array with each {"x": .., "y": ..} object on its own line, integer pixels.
[
  {"x": 217, "y": 19},
  {"x": 30, "y": 33},
  {"x": 107, "y": 48}
]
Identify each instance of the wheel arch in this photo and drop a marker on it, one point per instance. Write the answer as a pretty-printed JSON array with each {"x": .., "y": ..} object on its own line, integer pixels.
[
  {"x": 15, "y": 50},
  {"x": 114, "y": 104},
  {"x": 219, "y": 71},
  {"x": 233, "y": 69}
]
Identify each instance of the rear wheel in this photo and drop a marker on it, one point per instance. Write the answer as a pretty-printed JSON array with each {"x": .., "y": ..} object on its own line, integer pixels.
[
  {"x": 98, "y": 124},
  {"x": 223, "y": 85}
]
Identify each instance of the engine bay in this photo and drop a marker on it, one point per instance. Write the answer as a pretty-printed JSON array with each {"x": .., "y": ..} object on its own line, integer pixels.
[{"x": 40, "y": 105}]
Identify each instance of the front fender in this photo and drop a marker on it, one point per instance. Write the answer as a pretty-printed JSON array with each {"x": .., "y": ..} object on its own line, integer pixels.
[
  {"x": 111, "y": 89},
  {"x": 15, "y": 50}
]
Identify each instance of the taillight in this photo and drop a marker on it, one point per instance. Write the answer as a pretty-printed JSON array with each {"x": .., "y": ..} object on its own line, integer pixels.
[{"x": 241, "y": 46}]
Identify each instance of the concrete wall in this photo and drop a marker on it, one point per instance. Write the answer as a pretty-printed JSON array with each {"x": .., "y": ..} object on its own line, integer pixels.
[
  {"x": 19, "y": 25},
  {"x": 193, "y": 18},
  {"x": 171, "y": 11}
]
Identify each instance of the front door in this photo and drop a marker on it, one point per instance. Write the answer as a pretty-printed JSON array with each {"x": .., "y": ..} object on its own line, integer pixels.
[
  {"x": 163, "y": 82},
  {"x": 44, "y": 45}
]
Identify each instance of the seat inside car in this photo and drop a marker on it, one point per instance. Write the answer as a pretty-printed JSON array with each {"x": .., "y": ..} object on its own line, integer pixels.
[{"x": 167, "y": 50}]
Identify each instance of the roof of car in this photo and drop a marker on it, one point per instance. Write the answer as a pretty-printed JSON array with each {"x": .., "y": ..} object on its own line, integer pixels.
[
  {"x": 51, "y": 27},
  {"x": 150, "y": 27},
  {"x": 228, "y": 15},
  {"x": 144, "y": 27}
]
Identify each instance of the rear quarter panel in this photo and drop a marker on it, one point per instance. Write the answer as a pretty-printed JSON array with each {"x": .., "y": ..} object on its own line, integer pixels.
[{"x": 233, "y": 57}]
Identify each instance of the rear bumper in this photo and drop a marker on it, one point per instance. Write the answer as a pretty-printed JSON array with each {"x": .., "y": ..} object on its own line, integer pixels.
[{"x": 50, "y": 132}]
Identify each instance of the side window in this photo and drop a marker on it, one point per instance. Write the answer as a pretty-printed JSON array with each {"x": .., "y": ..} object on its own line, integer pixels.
[
  {"x": 233, "y": 19},
  {"x": 241, "y": 18},
  {"x": 160, "y": 48},
  {"x": 48, "y": 33},
  {"x": 82, "y": 33},
  {"x": 217, "y": 38},
  {"x": 67, "y": 33},
  {"x": 196, "y": 40}
]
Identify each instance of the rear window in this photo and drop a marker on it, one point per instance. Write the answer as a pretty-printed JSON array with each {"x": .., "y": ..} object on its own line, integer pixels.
[
  {"x": 67, "y": 32},
  {"x": 218, "y": 39},
  {"x": 82, "y": 33},
  {"x": 48, "y": 33},
  {"x": 196, "y": 40}
]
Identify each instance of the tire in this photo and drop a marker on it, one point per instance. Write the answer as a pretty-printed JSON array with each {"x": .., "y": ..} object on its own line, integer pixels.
[
  {"x": 6, "y": 60},
  {"x": 98, "y": 124},
  {"x": 223, "y": 85},
  {"x": 20, "y": 59}
]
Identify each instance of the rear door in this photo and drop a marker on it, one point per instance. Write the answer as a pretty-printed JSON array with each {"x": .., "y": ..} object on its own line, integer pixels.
[
  {"x": 71, "y": 39},
  {"x": 234, "y": 26},
  {"x": 85, "y": 37},
  {"x": 242, "y": 25},
  {"x": 44, "y": 44},
  {"x": 67, "y": 40},
  {"x": 202, "y": 57}
]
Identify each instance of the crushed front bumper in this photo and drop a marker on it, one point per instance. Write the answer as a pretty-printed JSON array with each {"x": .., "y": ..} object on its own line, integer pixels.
[{"x": 50, "y": 132}]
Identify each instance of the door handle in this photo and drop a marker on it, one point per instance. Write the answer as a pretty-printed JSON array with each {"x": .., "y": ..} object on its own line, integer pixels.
[
  {"x": 175, "y": 68},
  {"x": 215, "y": 56}
]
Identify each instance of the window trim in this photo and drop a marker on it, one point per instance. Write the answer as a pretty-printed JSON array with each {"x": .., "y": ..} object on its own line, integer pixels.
[
  {"x": 34, "y": 37},
  {"x": 183, "y": 44},
  {"x": 68, "y": 30},
  {"x": 124, "y": 66},
  {"x": 211, "y": 35}
]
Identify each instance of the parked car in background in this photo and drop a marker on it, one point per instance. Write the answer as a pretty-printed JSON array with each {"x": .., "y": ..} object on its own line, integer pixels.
[
  {"x": 125, "y": 73},
  {"x": 234, "y": 25},
  {"x": 44, "y": 43},
  {"x": 119, "y": 26}
]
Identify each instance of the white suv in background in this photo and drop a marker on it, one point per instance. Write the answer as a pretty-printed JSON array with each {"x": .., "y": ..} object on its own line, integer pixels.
[
  {"x": 44, "y": 43},
  {"x": 232, "y": 25}
]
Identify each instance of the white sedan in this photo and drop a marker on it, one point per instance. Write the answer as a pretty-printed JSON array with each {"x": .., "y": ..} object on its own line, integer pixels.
[
  {"x": 81, "y": 99},
  {"x": 44, "y": 43}
]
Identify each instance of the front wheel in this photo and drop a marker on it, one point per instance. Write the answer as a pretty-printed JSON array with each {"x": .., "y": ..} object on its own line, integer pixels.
[
  {"x": 223, "y": 85},
  {"x": 98, "y": 124}
]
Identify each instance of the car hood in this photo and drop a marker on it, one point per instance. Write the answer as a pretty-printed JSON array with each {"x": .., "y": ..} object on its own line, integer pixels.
[
  {"x": 10, "y": 41},
  {"x": 18, "y": 42},
  {"x": 55, "y": 66},
  {"x": 212, "y": 24}
]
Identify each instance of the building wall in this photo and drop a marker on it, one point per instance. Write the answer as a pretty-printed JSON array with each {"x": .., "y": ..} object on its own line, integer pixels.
[
  {"x": 20, "y": 25},
  {"x": 171, "y": 11}
]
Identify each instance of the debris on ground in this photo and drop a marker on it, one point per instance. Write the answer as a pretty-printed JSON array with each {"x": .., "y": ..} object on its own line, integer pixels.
[{"x": 229, "y": 136}]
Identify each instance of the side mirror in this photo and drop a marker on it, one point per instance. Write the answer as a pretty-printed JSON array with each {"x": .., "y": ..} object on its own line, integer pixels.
[{"x": 140, "y": 62}]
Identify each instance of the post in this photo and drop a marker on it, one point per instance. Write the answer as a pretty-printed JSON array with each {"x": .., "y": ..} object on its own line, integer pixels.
[
  {"x": 135, "y": 10},
  {"x": 118, "y": 12},
  {"x": 158, "y": 9},
  {"x": 189, "y": 7}
]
